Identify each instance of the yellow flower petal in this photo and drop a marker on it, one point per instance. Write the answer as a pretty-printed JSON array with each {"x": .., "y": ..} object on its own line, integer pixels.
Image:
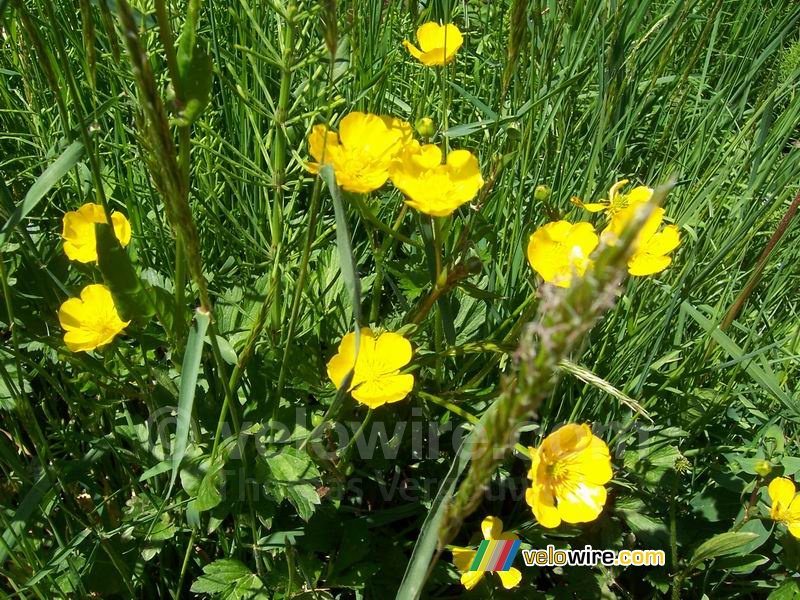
[
  {"x": 781, "y": 492},
  {"x": 392, "y": 352},
  {"x": 384, "y": 390},
  {"x": 592, "y": 207},
  {"x": 430, "y": 35},
  {"x": 471, "y": 578},
  {"x": 344, "y": 360},
  {"x": 581, "y": 503},
  {"x": 510, "y": 578},
  {"x": 794, "y": 529},
  {"x": 543, "y": 506},
  {"x": 491, "y": 527},
  {"x": 663, "y": 242},
  {"x": 463, "y": 557},
  {"x": 122, "y": 228},
  {"x": 438, "y": 44},
  {"x": 321, "y": 143},
  {"x": 641, "y": 265},
  {"x": 412, "y": 49}
]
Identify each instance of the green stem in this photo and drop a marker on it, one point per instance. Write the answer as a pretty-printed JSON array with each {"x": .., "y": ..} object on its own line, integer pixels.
[
  {"x": 94, "y": 163},
  {"x": 386, "y": 247},
  {"x": 185, "y": 564},
  {"x": 165, "y": 35},
  {"x": 279, "y": 153}
]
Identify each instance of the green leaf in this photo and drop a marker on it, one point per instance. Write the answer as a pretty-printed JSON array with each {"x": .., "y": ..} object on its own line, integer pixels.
[
  {"x": 291, "y": 475},
  {"x": 347, "y": 261},
  {"x": 189, "y": 373},
  {"x": 230, "y": 579},
  {"x": 788, "y": 590},
  {"x": 196, "y": 70},
  {"x": 208, "y": 494},
  {"x": 130, "y": 296},
  {"x": 723, "y": 544},
  {"x": 43, "y": 184}
]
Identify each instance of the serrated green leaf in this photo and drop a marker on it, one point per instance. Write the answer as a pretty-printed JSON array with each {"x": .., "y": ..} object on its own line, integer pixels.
[
  {"x": 292, "y": 475},
  {"x": 230, "y": 579}
]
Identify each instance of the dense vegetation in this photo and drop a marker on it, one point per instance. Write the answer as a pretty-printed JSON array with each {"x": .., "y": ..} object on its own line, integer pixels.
[{"x": 202, "y": 449}]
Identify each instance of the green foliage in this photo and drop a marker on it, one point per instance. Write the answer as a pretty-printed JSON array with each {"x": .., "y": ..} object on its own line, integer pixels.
[{"x": 193, "y": 454}]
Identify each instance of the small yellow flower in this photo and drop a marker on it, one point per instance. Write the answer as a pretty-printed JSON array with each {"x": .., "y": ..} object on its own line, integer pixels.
[
  {"x": 567, "y": 476},
  {"x": 90, "y": 321},
  {"x": 785, "y": 504},
  {"x": 560, "y": 249},
  {"x": 651, "y": 246},
  {"x": 492, "y": 529},
  {"x": 434, "y": 188},
  {"x": 617, "y": 201},
  {"x": 438, "y": 44},
  {"x": 78, "y": 233},
  {"x": 362, "y": 151},
  {"x": 376, "y": 378}
]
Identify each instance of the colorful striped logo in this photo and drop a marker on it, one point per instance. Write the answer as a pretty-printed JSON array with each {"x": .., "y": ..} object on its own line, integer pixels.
[{"x": 495, "y": 555}]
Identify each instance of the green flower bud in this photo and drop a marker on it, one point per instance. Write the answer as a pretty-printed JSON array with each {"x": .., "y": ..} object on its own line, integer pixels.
[
  {"x": 763, "y": 468},
  {"x": 541, "y": 193},
  {"x": 425, "y": 127}
]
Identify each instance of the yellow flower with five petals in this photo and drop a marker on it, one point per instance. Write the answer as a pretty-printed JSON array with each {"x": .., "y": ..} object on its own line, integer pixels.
[
  {"x": 560, "y": 249},
  {"x": 434, "y": 188},
  {"x": 78, "y": 231},
  {"x": 438, "y": 44},
  {"x": 376, "y": 375},
  {"x": 785, "y": 504},
  {"x": 567, "y": 475},
  {"x": 363, "y": 150},
  {"x": 492, "y": 529},
  {"x": 91, "y": 321}
]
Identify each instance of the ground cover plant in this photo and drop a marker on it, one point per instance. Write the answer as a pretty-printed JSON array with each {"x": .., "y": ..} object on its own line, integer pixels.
[{"x": 308, "y": 299}]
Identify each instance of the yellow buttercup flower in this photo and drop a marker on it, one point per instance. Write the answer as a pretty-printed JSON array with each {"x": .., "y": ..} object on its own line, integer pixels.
[
  {"x": 567, "y": 476},
  {"x": 785, "y": 504},
  {"x": 438, "y": 44},
  {"x": 376, "y": 377},
  {"x": 90, "y": 321},
  {"x": 492, "y": 529},
  {"x": 617, "y": 201},
  {"x": 559, "y": 250},
  {"x": 434, "y": 188},
  {"x": 651, "y": 246},
  {"x": 363, "y": 150},
  {"x": 78, "y": 232}
]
